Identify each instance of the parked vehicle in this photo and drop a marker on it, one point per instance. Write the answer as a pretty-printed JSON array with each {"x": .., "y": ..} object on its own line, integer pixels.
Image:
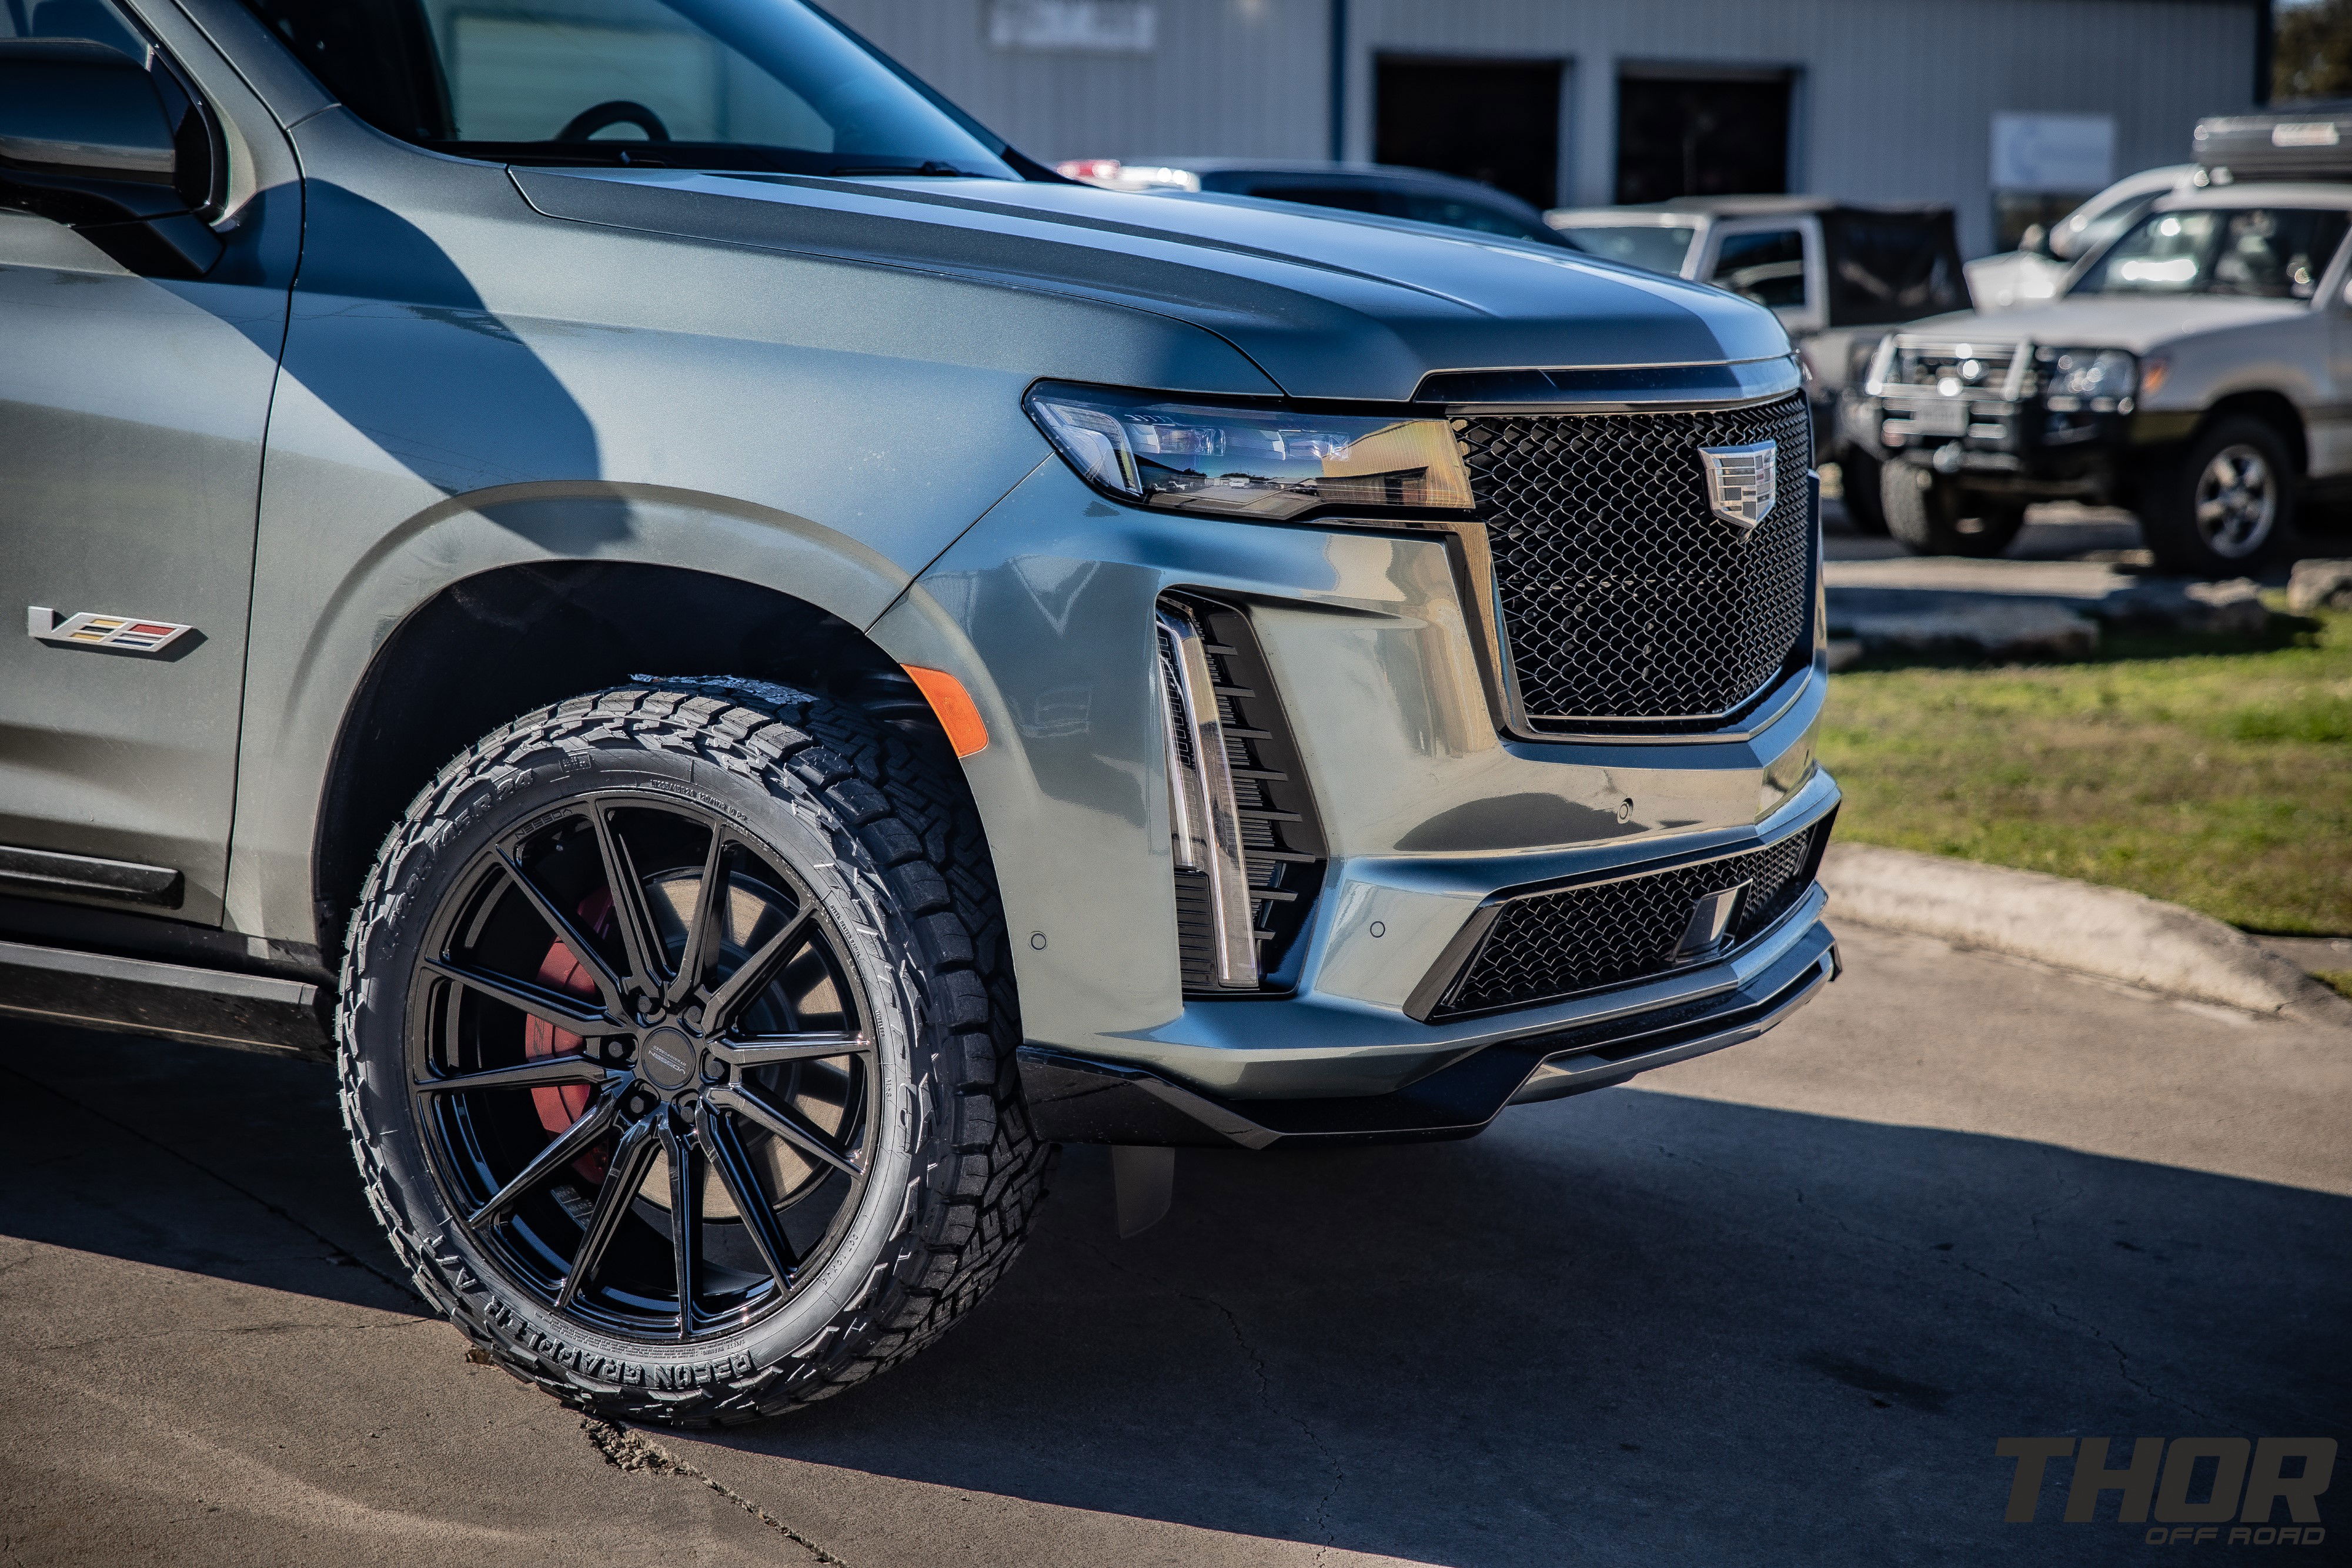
[
  {"x": 1836, "y": 275},
  {"x": 2035, "y": 272},
  {"x": 1384, "y": 190},
  {"x": 763, "y": 659},
  {"x": 2198, "y": 369}
]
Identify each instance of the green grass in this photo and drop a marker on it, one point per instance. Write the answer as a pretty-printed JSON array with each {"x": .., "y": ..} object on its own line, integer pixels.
[{"x": 2212, "y": 773}]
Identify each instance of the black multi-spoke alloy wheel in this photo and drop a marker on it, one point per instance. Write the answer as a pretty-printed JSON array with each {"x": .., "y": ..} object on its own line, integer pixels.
[{"x": 677, "y": 1043}]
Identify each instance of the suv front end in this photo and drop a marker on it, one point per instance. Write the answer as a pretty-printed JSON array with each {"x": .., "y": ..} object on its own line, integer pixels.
[
  {"x": 2032, "y": 420},
  {"x": 1467, "y": 760}
]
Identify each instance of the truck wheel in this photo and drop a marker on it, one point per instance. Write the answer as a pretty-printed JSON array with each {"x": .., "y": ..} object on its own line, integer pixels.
[
  {"x": 1929, "y": 515},
  {"x": 677, "y": 1048},
  {"x": 2224, "y": 503},
  {"x": 1861, "y": 477}
]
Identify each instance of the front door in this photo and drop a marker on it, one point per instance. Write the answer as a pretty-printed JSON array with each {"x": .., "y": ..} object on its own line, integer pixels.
[{"x": 132, "y": 410}]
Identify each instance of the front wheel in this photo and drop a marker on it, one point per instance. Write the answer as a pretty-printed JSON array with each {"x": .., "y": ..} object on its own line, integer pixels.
[
  {"x": 1929, "y": 514},
  {"x": 1860, "y": 480},
  {"x": 677, "y": 1048},
  {"x": 2224, "y": 503}
]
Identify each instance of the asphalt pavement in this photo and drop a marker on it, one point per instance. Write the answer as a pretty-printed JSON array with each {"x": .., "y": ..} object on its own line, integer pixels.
[{"x": 1774, "y": 1305}]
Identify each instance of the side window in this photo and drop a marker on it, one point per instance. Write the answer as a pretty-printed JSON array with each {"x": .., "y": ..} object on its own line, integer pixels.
[
  {"x": 525, "y": 72},
  {"x": 2108, "y": 224},
  {"x": 1767, "y": 265},
  {"x": 717, "y": 84},
  {"x": 2276, "y": 255},
  {"x": 96, "y": 20}
]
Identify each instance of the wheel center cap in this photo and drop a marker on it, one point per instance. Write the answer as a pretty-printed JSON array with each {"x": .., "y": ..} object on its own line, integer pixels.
[{"x": 666, "y": 1059}]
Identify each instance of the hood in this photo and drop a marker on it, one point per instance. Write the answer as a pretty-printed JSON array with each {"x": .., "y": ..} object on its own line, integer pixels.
[
  {"x": 1328, "y": 305},
  {"x": 2138, "y": 325}
]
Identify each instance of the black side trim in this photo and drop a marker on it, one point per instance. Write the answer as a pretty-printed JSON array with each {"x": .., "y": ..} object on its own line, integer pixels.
[
  {"x": 136, "y": 996},
  {"x": 1646, "y": 383},
  {"x": 39, "y": 871}
]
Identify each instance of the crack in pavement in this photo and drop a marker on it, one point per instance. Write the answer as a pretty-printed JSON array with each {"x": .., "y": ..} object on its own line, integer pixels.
[
  {"x": 336, "y": 1253},
  {"x": 228, "y": 1331},
  {"x": 1264, "y": 1393},
  {"x": 625, "y": 1448}
]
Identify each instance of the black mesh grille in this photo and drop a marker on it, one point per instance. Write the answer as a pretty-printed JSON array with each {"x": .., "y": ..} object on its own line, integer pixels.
[
  {"x": 1624, "y": 597},
  {"x": 1553, "y": 944}
]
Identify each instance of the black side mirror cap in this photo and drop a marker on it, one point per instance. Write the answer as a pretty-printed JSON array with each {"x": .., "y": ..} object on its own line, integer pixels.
[{"x": 85, "y": 141}]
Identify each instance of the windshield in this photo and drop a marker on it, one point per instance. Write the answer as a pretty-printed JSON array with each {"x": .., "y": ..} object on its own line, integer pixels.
[
  {"x": 724, "y": 84},
  {"x": 2085, "y": 230},
  {"x": 1658, "y": 247},
  {"x": 2264, "y": 253}
]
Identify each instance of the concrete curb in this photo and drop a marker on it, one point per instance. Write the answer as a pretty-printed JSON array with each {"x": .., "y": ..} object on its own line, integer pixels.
[{"x": 2072, "y": 925}]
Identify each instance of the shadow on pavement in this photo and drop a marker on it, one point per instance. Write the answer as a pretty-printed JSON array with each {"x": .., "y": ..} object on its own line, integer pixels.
[
  {"x": 1670, "y": 1325},
  {"x": 1630, "y": 1326},
  {"x": 226, "y": 1163}
]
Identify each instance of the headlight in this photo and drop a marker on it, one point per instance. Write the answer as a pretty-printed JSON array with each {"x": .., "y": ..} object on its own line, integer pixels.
[
  {"x": 2089, "y": 372},
  {"x": 1256, "y": 461}
]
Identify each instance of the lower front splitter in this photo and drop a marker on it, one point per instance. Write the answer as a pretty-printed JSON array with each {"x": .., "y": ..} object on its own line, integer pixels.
[{"x": 1078, "y": 1100}]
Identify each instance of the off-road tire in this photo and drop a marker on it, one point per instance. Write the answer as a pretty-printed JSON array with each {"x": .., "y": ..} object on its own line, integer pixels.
[
  {"x": 953, "y": 1199},
  {"x": 1929, "y": 513},
  {"x": 1860, "y": 476},
  {"x": 2169, "y": 500}
]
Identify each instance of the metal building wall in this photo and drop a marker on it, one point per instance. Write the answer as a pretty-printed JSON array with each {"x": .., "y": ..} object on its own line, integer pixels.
[
  {"x": 1894, "y": 100},
  {"x": 1248, "y": 78}
]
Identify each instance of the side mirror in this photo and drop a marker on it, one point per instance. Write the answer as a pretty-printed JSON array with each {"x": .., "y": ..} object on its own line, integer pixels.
[{"x": 86, "y": 141}]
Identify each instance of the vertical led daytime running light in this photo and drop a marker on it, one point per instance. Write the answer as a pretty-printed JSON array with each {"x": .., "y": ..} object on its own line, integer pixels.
[{"x": 1204, "y": 819}]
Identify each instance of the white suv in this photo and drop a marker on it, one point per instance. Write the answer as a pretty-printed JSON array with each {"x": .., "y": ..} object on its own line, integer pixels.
[{"x": 2198, "y": 370}]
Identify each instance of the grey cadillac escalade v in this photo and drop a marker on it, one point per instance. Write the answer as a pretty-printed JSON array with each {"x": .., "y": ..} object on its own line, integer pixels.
[{"x": 999, "y": 661}]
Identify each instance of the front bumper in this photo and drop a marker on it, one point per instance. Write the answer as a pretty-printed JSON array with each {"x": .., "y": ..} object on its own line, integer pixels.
[
  {"x": 1044, "y": 610},
  {"x": 2031, "y": 447},
  {"x": 1076, "y": 1099}
]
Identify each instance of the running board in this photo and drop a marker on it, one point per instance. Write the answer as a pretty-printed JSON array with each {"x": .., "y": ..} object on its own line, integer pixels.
[{"x": 176, "y": 1001}]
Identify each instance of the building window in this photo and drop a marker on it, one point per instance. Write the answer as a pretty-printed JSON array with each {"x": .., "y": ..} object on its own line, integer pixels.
[
  {"x": 1693, "y": 133},
  {"x": 1496, "y": 121}
]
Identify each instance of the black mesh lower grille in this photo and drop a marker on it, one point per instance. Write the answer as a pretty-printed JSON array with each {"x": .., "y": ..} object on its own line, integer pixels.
[
  {"x": 1548, "y": 946},
  {"x": 1622, "y": 596}
]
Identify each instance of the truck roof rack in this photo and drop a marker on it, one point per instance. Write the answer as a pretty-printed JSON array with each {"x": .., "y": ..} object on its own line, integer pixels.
[{"x": 2296, "y": 142}]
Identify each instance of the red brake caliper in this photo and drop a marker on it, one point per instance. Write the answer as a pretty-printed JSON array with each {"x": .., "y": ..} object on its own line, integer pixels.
[{"x": 561, "y": 1104}]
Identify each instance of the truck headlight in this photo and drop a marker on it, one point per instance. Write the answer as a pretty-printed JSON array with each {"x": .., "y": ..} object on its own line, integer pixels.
[
  {"x": 1249, "y": 461},
  {"x": 2089, "y": 372}
]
